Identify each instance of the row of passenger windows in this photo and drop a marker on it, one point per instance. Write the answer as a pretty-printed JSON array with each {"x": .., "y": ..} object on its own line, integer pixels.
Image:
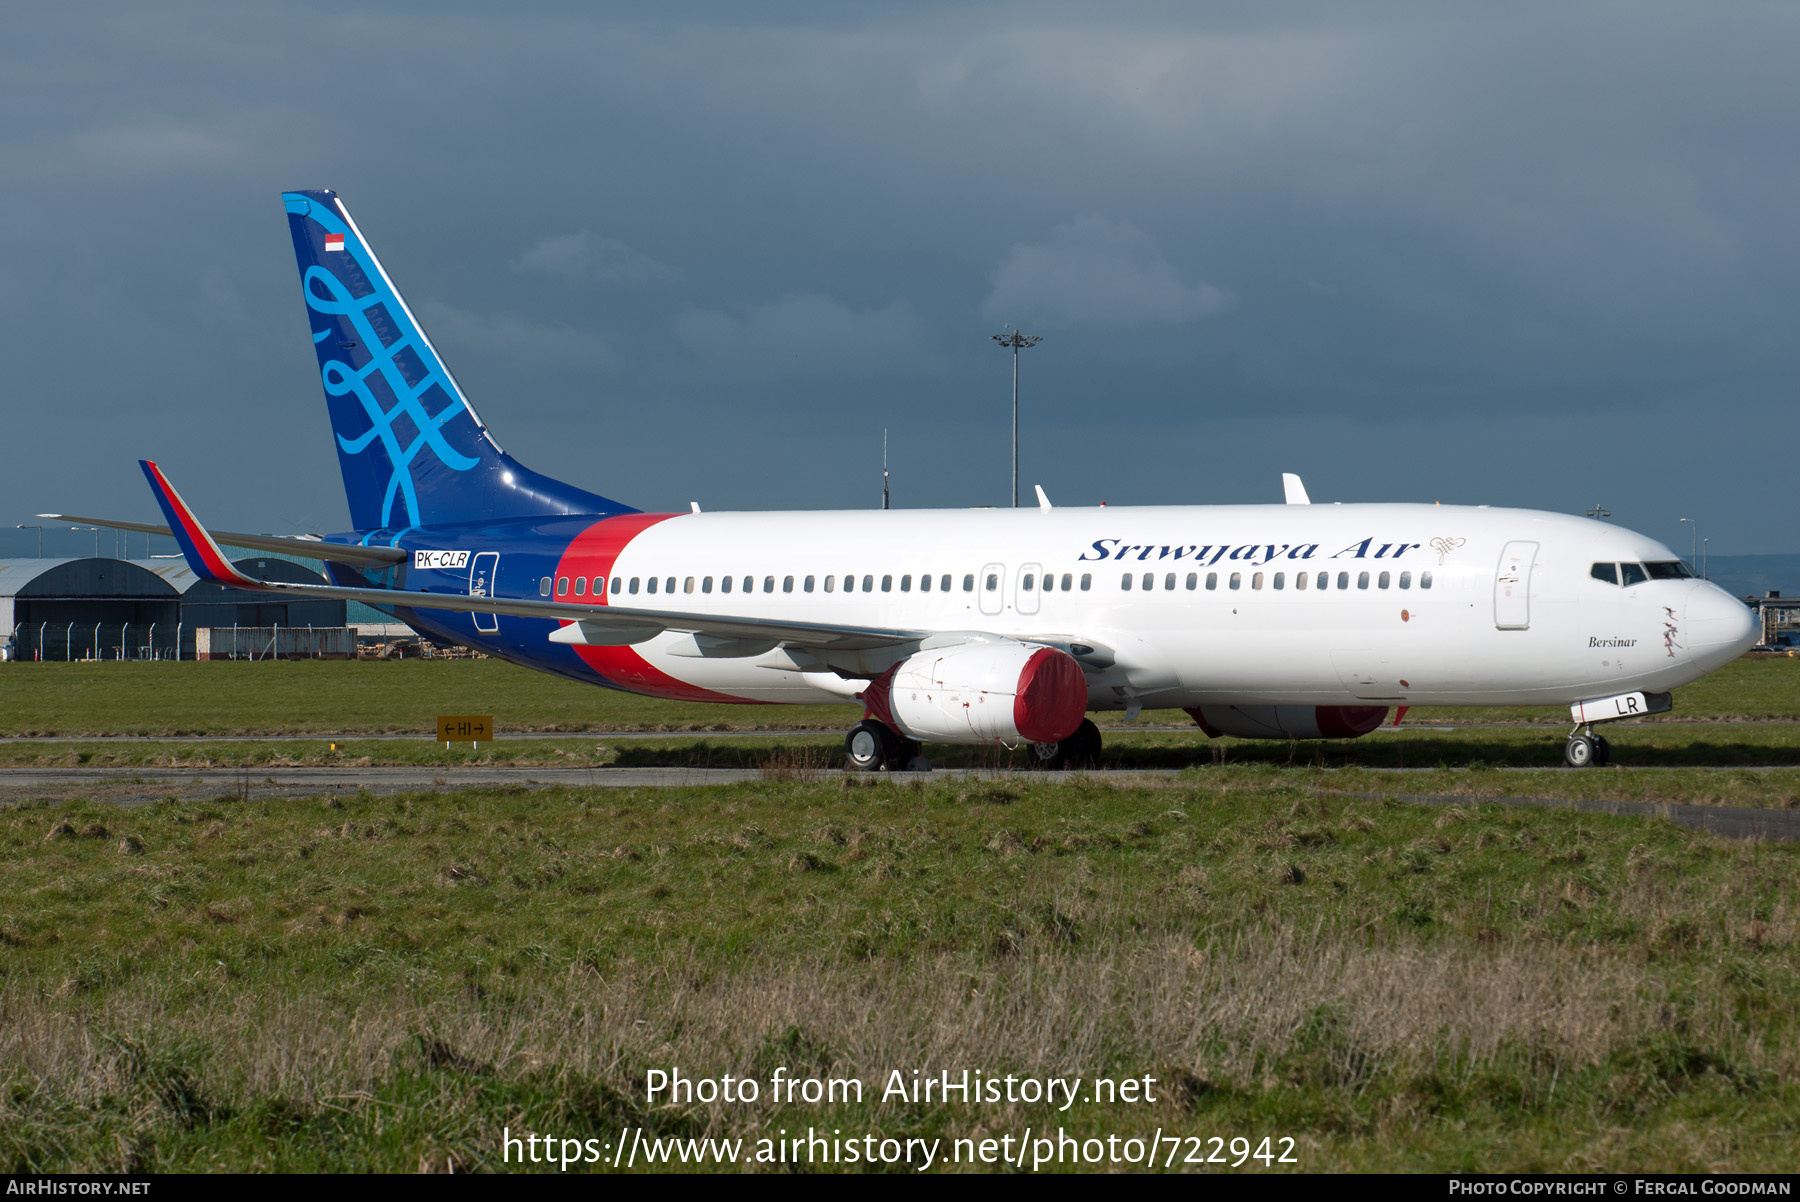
[
  {"x": 990, "y": 583},
  {"x": 1628, "y": 574},
  {"x": 1301, "y": 580},
  {"x": 651, "y": 584}
]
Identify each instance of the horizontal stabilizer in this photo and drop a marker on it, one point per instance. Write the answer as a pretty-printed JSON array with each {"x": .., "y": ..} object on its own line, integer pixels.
[{"x": 300, "y": 548}]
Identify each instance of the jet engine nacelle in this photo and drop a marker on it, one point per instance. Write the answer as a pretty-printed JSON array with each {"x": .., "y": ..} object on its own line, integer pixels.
[
  {"x": 1288, "y": 721},
  {"x": 999, "y": 692}
]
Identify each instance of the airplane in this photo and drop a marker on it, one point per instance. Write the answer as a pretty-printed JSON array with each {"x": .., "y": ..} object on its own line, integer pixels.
[{"x": 1001, "y": 627}]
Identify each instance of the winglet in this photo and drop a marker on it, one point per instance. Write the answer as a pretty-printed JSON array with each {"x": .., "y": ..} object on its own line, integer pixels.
[
  {"x": 1043, "y": 501},
  {"x": 1294, "y": 491},
  {"x": 203, "y": 554}
]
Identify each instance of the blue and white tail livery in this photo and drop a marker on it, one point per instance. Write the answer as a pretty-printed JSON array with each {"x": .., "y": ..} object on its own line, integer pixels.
[
  {"x": 985, "y": 626},
  {"x": 412, "y": 448}
]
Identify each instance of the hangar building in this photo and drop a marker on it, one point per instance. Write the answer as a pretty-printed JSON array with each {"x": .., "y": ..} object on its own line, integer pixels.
[{"x": 95, "y": 608}]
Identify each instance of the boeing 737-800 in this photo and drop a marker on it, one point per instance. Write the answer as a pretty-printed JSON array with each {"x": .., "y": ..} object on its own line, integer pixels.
[{"x": 991, "y": 626}]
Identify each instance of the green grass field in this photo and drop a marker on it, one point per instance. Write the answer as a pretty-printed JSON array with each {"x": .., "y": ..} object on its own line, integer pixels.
[
  {"x": 371, "y": 697},
  {"x": 388, "y": 983}
]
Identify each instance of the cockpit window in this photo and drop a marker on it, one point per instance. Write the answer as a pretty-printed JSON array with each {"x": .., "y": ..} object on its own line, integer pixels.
[
  {"x": 1670, "y": 570},
  {"x": 1632, "y": 573},
  {"x": 1608, "y": 572}
]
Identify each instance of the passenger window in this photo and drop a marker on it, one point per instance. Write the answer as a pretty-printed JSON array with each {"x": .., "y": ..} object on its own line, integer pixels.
[
  {"x": 1424, "y": 579},
  {"x": 849, "y": 584},
  {"x": 544, "y": 587},
  {"x": 868, "y": 584},
  {"x": 768, "y": 584},
  {"x": 1631, "y": 573},
  {"x": 652, "y": 583},
  {"x": 1609, "y": 572},
  {"x": 1149, "y": 581},
  {"x": 562, "y": 586},
  {"x": 1125, "y": 582},
  {"x": 1256, "y": 580},
  {"x": 1406, "y": 580},
  {"x": 924, "y": 584},
  {"x": 1300, "y": 581},
  {"x": 670, "y": 587},
  {"x": 1212, "y": 580},
  {"x": 1086, "y": 580},
  {"x": 1324, "y": 579},
  {"x": 1344, "y": 579},
  {"x": 944, "y": 584},
  {"x": 634, "y": 586},
  {"x": 618, "y": 583},
  {"x": 1362, "y": 580},
  {"x": 581, "y": 586},
  {"x": 787, "y": 584},
  {"x": 830, "y": 583},
  {"x": 600, "y": 585},
  {"x": 1193, "y": 581},
  {"x": 1382, "y": 580},
  {"x": 1169, "y": 581},
  {"x": 687, "y": 586},
  {"x": 1280, "y": 579},
  {"x": 1237, "y": 579},
  {"x": 724, "y": 584},
  {"x": 906, "y": 583},
  {"x": 808, "y": 586},
  {"x": 968, "y": 584},
  {"x": 887, "y": 584},
  {"x": 993, "y": 582},
  {"x": 706, "y": 584}
]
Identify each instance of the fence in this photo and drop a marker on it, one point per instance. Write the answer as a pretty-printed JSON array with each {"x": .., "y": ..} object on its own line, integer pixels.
[{"x": 91, "y": 641}]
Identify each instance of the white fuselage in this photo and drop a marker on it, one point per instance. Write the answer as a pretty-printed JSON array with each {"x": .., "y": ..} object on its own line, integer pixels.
[{"x": 1404, "y": 604}]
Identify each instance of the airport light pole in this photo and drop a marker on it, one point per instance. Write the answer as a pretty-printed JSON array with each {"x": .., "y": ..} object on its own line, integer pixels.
[
  {"x": 1693, "y": 542},
  {"x": 1017, "y": 342}
]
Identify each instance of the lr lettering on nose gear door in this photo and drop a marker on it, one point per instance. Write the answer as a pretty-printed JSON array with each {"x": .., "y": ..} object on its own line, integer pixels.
[{"x": 1512, "y": 586}]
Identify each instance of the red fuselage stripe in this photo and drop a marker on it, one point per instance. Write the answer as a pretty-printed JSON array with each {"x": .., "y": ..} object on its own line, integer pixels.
[{"x": 593, "y": 553}]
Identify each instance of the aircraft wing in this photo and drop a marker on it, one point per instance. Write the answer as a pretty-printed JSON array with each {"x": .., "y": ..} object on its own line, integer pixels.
[
  {"x": 301, "y": 548},
  {"x": 598, "y": 624}
]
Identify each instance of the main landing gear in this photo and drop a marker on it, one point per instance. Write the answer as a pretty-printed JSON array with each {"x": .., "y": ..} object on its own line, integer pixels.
[
  {"x": 1079, "y": 750},
  {"x": 1587, "y": 749},
  {"x": 871, "y": 746}
]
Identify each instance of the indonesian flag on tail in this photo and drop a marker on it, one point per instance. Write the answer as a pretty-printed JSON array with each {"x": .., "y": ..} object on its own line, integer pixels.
[{"x": 334, "y": 242}]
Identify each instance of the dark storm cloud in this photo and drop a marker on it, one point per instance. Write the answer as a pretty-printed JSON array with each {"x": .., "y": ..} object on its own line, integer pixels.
[{"x": 1536, "y": 255}]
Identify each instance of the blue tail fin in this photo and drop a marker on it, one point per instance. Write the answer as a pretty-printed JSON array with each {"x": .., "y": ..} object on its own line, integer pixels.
[{"x": 412, "y": 450}]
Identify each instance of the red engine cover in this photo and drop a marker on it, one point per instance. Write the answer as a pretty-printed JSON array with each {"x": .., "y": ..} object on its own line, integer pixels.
[{"x": 1052, "y": 697}]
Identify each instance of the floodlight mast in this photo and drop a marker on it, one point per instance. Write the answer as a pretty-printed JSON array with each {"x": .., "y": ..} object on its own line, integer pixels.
[{"x": 1016, "y": 341}]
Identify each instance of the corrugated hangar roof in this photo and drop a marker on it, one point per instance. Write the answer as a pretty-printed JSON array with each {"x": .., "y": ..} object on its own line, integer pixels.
[
  {"x": 90, "y": 577},
  {"x": 107, "y": 577}
]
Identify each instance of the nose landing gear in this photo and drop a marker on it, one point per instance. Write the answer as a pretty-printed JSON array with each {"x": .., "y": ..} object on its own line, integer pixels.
[{"x": 1586, "y": 749}]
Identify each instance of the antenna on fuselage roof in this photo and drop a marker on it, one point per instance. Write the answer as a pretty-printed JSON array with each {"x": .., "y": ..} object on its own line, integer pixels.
[{"x": 884, "y": 471}]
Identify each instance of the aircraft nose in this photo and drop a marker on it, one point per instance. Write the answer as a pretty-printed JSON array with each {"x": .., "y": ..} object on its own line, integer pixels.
[{"x": 1719, "y": 626}]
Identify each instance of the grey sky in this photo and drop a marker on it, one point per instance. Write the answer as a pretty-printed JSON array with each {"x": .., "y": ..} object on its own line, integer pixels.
[{"x": 1536, "y": 254}]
